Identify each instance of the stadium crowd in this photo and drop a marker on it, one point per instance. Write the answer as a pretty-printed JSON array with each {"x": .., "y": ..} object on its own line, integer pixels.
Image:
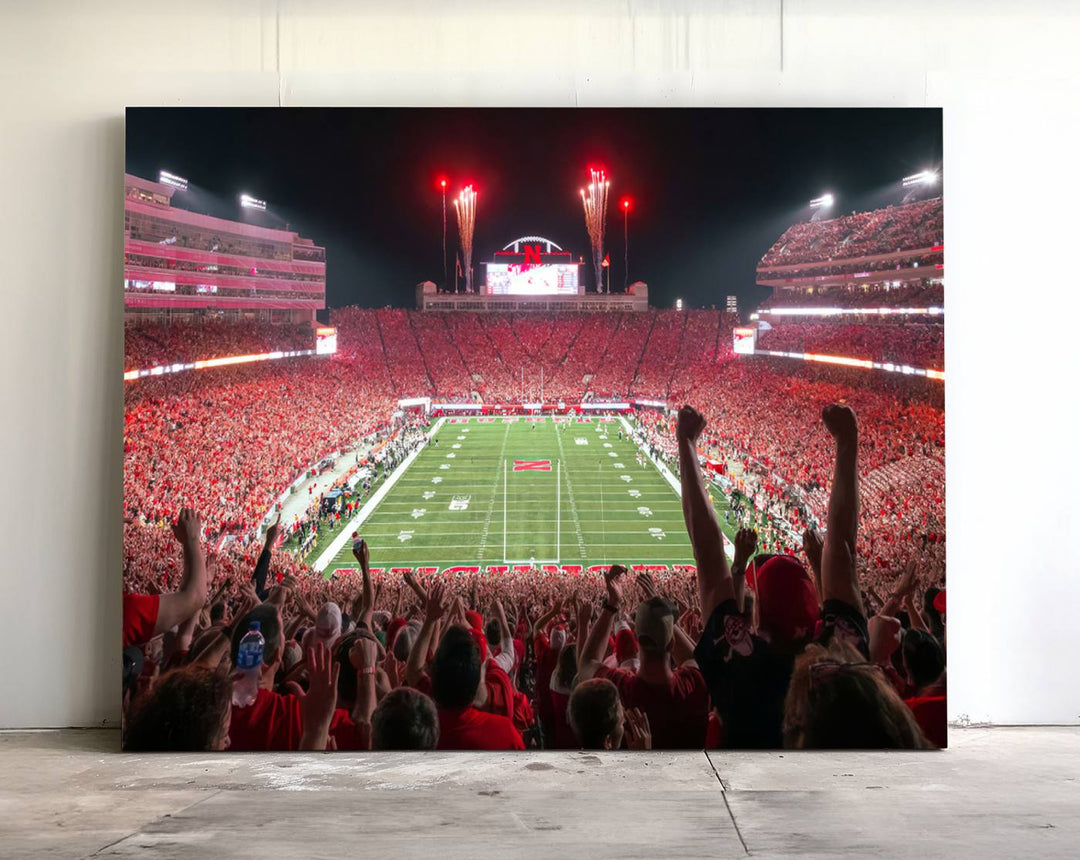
[
  {"x": 230, "y": 440},
  {"x": 915, "y": 344},
  {"x": 908, "y": 295},
  {"x": 913, "y": 226},
  {"x": 500, "y": 357},
  {"x": 149, "y": 345},
  {"x": 768, "y": 650},
  {"x": 854, "y": 267}
]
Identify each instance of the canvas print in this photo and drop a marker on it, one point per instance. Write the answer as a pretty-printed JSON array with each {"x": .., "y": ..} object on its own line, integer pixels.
[{"x": 470, "y": 429}]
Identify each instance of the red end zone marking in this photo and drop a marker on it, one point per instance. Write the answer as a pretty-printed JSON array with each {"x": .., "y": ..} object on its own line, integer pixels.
[{"x": 532, "y": 466}]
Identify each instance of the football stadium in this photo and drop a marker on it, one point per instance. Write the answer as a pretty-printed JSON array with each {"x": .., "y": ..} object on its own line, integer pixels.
[{"x": 496, "y": 455}]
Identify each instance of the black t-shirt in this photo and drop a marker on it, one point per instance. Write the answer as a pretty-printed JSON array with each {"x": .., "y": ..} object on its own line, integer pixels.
[{"x": 748, "y": 678}]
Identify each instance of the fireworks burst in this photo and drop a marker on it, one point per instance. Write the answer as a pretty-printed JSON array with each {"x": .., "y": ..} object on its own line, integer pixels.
[
  {"x": 594, "y": 199},
  {"x": 465, "y": 206}
]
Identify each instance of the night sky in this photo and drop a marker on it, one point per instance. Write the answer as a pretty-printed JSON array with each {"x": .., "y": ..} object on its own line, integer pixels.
[{"x": 711, "y": 189}]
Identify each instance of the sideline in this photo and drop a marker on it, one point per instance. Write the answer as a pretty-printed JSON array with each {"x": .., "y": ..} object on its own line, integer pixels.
[
  {"x": 345, "y": 534},
  {"x": 665, "y": 472}
]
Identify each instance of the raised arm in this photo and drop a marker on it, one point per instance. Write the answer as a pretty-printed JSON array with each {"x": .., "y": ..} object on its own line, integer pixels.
[
  {"x": 915, "y": 616},
  {"x": 591, "y": 654},
  {"x": 901, "y": 592},
  {"x": 682, "y": 647},
  {"x": 540, "y": 623},
  {"x": 410, "y": 581},
  {"x": 364, "y": 657},
  {"x": 317, "y": 706},
  {"x": 713, "y": 575},
  {"x": 180, "y": 605},
  {"x": 361, "y": 554},
  {"x": 812, "y": 545},
  {"x": 433, "y": 611},
  {"x": 262, "y": 566},
  {"x": 745, "y": 547},
  {"x": 839, "y": 579}
]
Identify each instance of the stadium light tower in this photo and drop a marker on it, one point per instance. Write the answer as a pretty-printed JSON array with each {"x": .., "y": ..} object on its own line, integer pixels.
[
  {"x": 626, "y": 242},
  {"x": 442, "y": 187},
  {"x": 249, "y": 202},
  {"x": 171, "y": 179}
]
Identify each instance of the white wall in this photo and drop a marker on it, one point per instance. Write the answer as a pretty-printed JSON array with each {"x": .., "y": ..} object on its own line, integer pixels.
[{"x": 1004, "y": 72}]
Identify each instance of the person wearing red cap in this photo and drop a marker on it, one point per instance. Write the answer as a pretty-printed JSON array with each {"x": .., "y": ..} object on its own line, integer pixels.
[{"x": 748, "y": 667}]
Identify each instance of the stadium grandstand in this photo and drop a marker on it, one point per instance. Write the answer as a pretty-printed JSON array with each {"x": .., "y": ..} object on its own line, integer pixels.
[
  {"x": 200, "y": 288},
  {"x": 492, "y": 456}
]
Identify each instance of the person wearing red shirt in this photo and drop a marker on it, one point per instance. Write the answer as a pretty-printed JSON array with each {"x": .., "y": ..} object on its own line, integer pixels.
[
  {"x": 676, "y": 701},
  {"x": 274, "y": 721},
  {"x": 924, "y": 661},
  {"x": 546, "y": 654},
  {"x": 456, "y": 677},
  {"x": 457, "y": 683},
  {"x": 147, "y": 615}
]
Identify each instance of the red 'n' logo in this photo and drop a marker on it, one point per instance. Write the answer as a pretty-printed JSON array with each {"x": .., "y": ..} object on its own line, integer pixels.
[
  {"x": 532, "y": 466},
  {"x": 532, "y": 255}
]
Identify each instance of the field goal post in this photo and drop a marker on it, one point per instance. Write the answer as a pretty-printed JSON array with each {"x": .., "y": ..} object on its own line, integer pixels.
[{"x": 558, "y": 520}]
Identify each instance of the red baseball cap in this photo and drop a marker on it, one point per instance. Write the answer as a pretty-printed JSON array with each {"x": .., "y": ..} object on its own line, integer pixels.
[
  {"x": 481, "y": 643},
  {"x": 787, "y": 601},
  {"x": 626, "y": 645}
]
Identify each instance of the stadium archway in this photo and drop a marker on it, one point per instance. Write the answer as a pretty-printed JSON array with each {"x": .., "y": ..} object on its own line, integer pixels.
[{"x": 515, "y": 246}]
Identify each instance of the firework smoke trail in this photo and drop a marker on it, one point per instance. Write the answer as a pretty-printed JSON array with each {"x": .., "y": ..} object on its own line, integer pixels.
[
  {"x": 465, "y": 206},
  {"x": 594, "y": 200}
]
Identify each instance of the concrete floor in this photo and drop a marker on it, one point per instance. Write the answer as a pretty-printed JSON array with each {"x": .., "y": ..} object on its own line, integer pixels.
[{"x": 1006, "y": 792}]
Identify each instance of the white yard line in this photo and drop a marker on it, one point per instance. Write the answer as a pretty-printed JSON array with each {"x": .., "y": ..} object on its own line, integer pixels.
[
  {"x": 345, "y": 534},
  {"x": 665, "y": 472},
  {"x": 500, "y": 471},
  {"x": 573, "y": 502}
]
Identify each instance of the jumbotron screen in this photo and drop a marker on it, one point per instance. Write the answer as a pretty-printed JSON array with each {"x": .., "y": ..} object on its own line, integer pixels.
[
  {"x": 745, "y": 340},
  {"x": 325, "y": 341},
  {"x": 526, "y": 279}
]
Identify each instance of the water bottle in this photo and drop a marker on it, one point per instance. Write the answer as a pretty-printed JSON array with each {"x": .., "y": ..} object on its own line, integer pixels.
[{"x": 249, "y": 659}]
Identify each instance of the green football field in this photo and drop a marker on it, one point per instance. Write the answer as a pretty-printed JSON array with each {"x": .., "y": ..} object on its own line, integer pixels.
[{"x": 518, "y": 490}]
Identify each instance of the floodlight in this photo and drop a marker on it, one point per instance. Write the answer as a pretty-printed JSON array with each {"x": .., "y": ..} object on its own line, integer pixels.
[
  {"x": 923, "y": 177},
  {"x": 249, "y": 202},
  {"x": 166, "y": 178}
]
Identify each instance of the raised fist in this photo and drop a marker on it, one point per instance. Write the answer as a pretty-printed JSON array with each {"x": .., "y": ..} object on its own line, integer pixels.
[
  {"x": 689, "y": 424},
  {"x": 745, "y": 543},
  {"x": 188, "y": 528},
  {"x": 840, "y": 422},
  {"x": 360, "y": 550}
]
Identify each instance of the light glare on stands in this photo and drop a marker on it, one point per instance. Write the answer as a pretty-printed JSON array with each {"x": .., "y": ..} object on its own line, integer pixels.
[
  {"x": 923, "y": 177},
  {"x": 824, "y": 201},
  {"x": 215, "y": 362},
  {"x": 678, "y": 304},
  {"x": 166, "y": 178},
  {"x": 249, "y": 202},
  {"x": 856, "y": 362}
]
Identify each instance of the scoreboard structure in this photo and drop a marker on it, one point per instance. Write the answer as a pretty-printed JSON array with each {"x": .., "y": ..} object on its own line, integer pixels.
[{"x": 532, "y": 266}]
